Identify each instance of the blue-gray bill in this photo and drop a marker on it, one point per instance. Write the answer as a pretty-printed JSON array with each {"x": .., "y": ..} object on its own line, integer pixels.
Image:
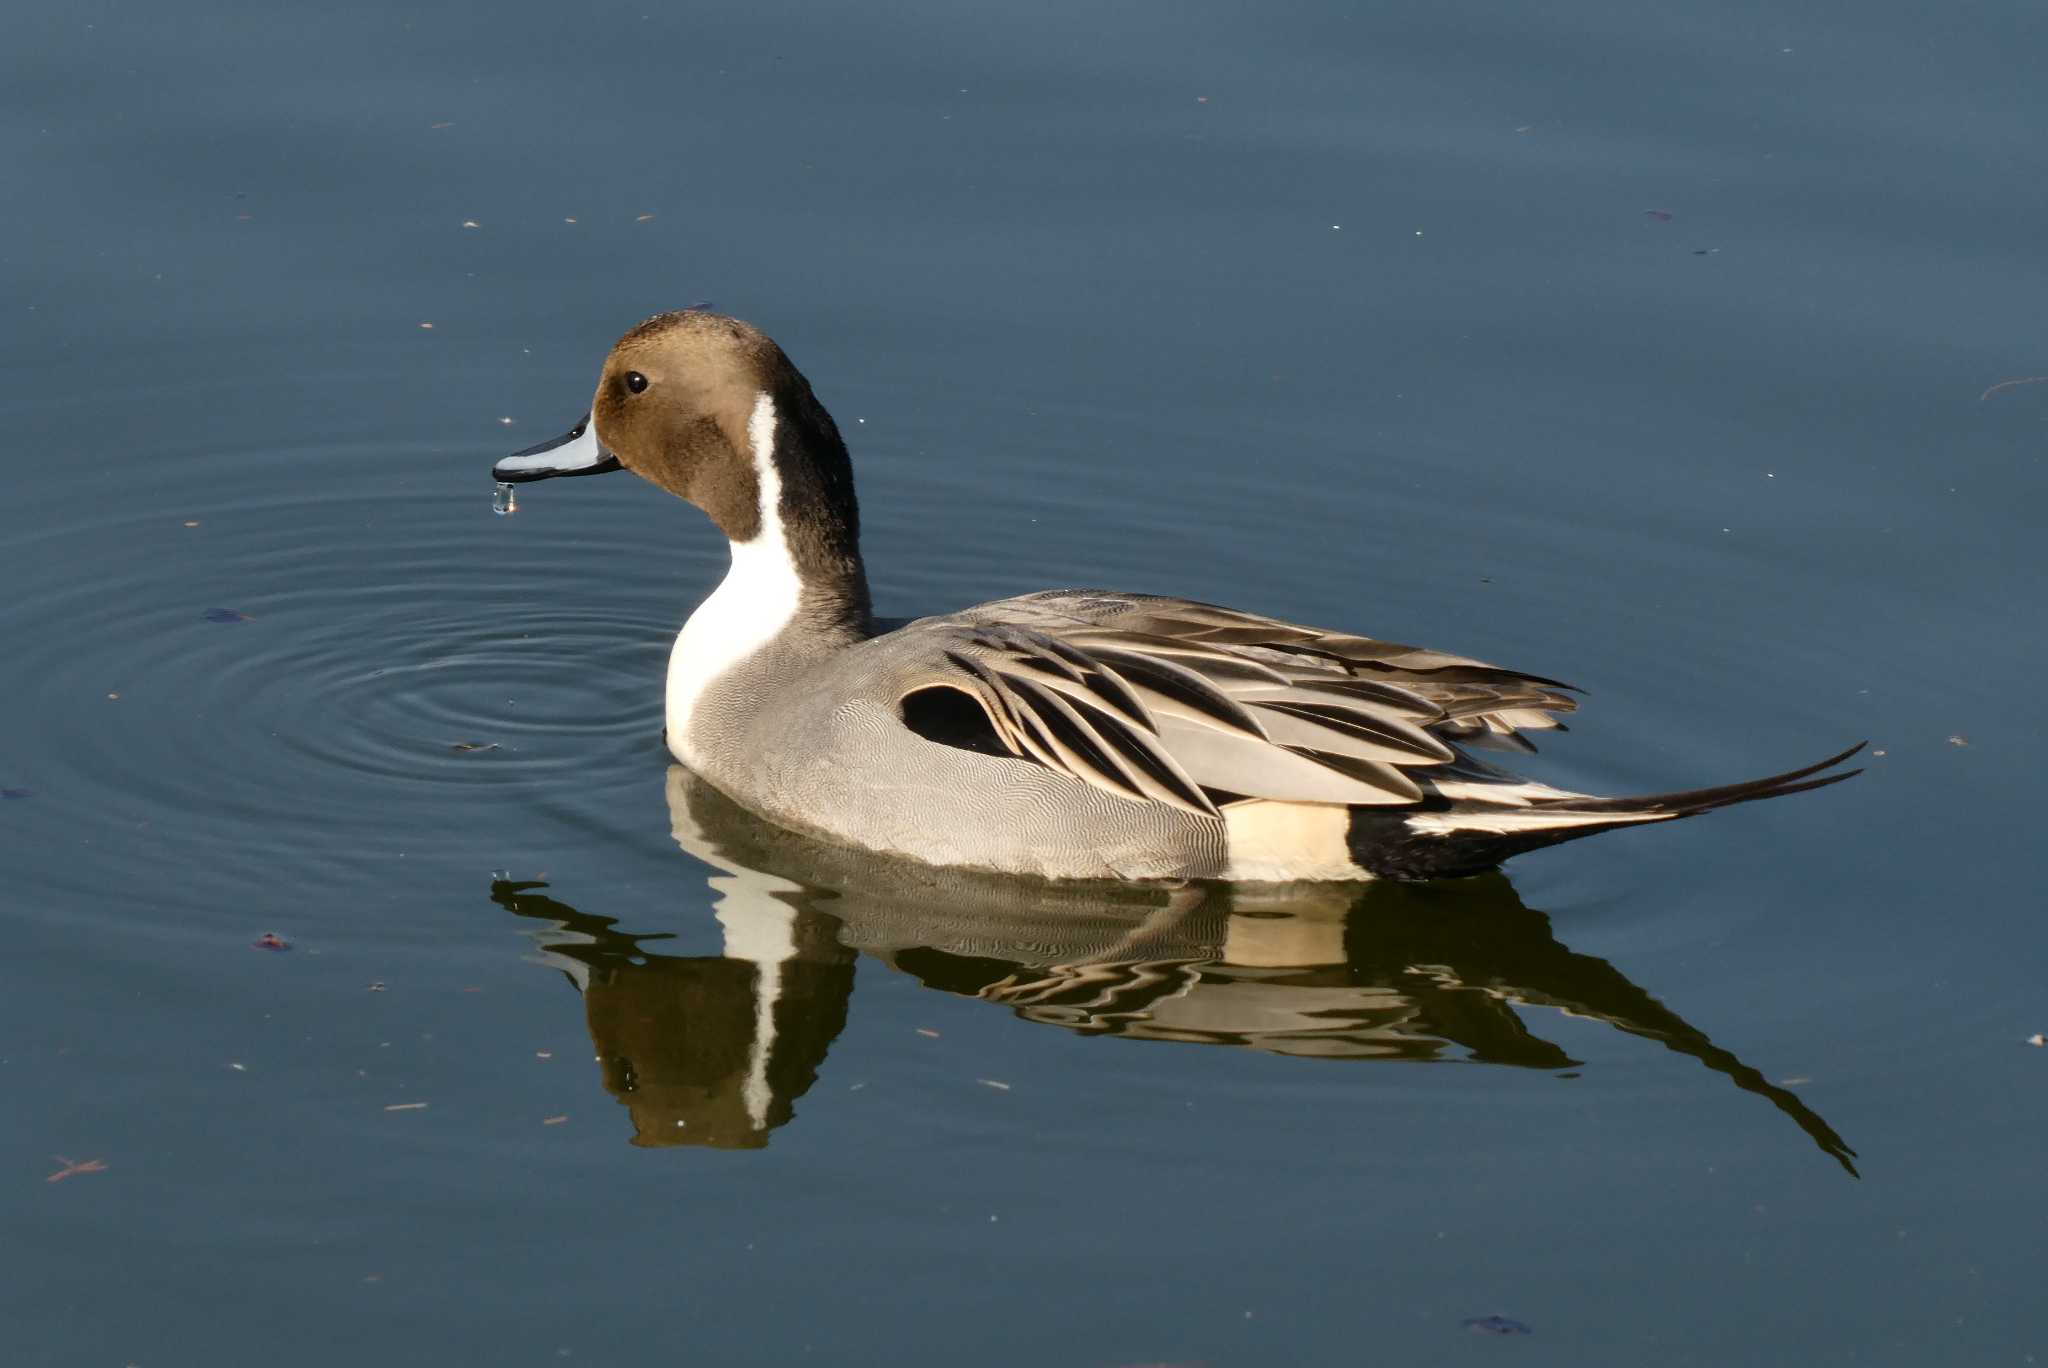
[{"x": 576, "y": 452}]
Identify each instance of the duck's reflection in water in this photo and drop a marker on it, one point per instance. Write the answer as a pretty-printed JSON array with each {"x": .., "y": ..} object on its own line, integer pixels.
[{"x": 715, "y": 1050}]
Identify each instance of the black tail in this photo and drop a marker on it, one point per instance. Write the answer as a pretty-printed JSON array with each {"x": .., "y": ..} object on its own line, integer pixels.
[
  {"x": 1687, "y": 802},
  {"x": 1453, "y": 838}
]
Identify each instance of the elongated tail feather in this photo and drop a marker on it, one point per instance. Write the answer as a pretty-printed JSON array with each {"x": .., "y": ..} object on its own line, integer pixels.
[{"x": 1466, "y": 836}]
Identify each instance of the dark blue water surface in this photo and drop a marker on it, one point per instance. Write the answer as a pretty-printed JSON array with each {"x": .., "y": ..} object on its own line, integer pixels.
[{"x": 1651, "y": 346}]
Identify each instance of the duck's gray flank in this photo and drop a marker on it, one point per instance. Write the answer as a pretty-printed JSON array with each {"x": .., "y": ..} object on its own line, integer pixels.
[{"x": 1070, "y": 733}]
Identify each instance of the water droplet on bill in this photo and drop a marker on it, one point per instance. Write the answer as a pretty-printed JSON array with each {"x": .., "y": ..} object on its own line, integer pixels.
[{"x": 504, "y": 500}]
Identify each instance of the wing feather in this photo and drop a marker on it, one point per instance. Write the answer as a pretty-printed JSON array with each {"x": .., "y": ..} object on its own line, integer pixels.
[
  {"x": 1225, "y": 665},
  {"x": 1383, "y": 698},
  {"x": 1081, "y": 749},
  {"x": 999, "y": 701},
  {"x": 1353, "y": 731},
  {"x": 1176, "y": 689},
  {"x": 1100, "y": 687},
  {"x": 1109, "y": 753},
  {"x": 1190, "y": 704},
  {"x": 1234, "y": 763}
]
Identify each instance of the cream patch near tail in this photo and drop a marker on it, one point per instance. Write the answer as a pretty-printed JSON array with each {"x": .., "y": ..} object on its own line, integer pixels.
[{"x": 1273, "y": 842}]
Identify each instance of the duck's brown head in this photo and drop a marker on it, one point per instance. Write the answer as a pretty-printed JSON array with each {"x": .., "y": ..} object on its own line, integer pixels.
[{"x": 674, "y": 405}]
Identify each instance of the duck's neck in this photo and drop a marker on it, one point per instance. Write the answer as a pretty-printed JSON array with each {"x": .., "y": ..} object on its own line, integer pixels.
[
  {"x": 808, "y": 507},
  {"x": 798, "y": 583}
]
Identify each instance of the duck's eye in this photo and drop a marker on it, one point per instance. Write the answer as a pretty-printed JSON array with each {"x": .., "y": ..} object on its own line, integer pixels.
[{"x": 635, "y": 381}]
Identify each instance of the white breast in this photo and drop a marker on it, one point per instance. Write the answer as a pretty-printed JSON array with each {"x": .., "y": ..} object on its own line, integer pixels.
[{"x": 757, "y": 598}]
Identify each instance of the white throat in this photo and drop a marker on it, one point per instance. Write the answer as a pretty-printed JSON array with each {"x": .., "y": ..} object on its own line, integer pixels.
[{"x": 753, "y": 603}]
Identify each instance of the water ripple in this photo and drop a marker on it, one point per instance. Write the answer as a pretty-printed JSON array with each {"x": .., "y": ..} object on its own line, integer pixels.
[{"x": 324, "y": 665}]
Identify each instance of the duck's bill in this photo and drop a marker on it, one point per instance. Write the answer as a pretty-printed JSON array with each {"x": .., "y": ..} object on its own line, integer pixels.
[{"x": 576, "y": 453}]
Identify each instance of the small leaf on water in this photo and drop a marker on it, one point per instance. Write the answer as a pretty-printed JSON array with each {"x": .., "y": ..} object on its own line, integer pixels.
[
  {"x": 463, "y": 747},
  {"x": 1495, "y": 1325},
  {"x": 270, "y": 940},
  {"x": 225, "y": 615}
]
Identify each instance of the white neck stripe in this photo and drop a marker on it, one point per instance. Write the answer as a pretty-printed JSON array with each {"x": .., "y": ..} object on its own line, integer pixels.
[
  {"x": 761, "y": 446},
  {"x": 758, "y": 597}
]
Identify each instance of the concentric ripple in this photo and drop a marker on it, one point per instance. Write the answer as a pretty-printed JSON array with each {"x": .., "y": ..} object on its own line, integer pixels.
[{"x": 325, "y": 667}]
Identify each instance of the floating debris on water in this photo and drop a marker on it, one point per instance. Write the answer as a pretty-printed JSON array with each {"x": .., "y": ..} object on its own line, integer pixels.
[
  {"x": 2037, "y": 1039},
  {"x": 995, "y": 1083},
  {"x": 1959, "y": 740},
  {"x": 463, "y": 747},
  {"x": 17, "y": 793},
  {"x": 225, "y": 615},
  {"x": 1495, "y": 1325},
  {"x": 504, "y": 499},
  {"x": 270, "y": 940},
  {"x": 1659, "y": 215},
  {"x": 2008, "y": 384},
  {"x": 406, "y": 1106},
  {"x": 73, "y": 1167}
]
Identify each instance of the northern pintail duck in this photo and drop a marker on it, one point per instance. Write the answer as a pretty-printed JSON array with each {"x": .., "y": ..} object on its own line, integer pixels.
[{"x": 1073, "y": 733}]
